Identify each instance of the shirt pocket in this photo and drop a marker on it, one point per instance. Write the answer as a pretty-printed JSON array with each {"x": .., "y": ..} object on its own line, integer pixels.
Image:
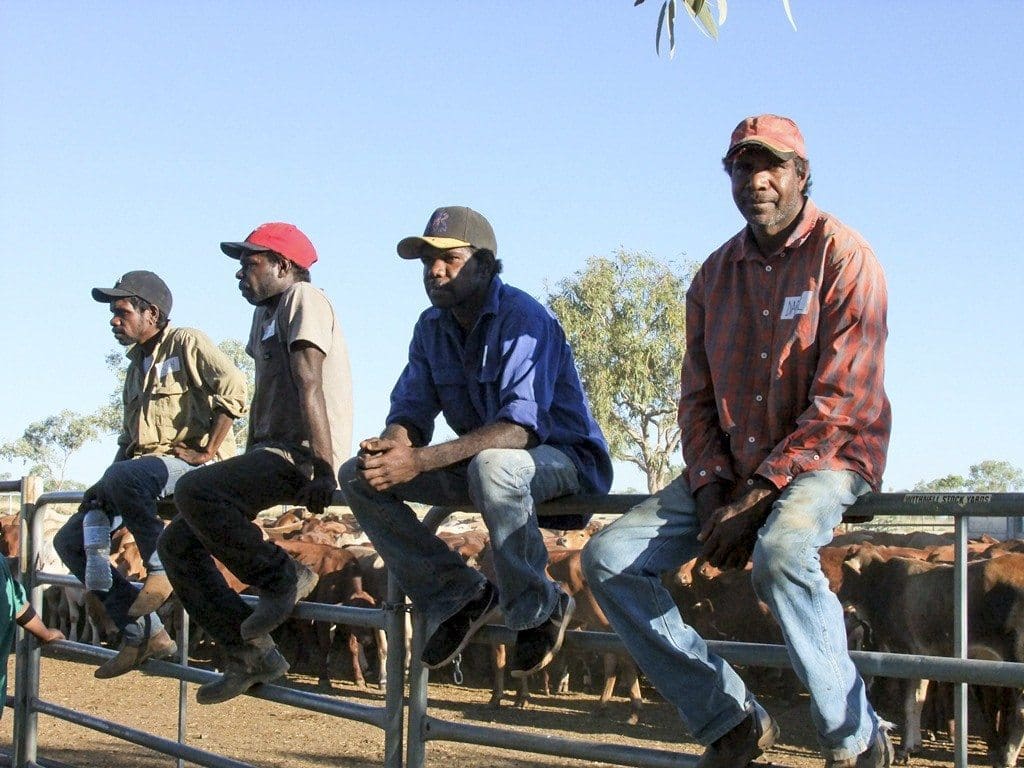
[
  {"x": 168, "y": 404},
  {"x": 453, "y": 395}
]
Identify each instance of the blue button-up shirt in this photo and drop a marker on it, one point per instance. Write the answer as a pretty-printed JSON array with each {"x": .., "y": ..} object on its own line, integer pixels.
[{"x": 514, "y": 365}]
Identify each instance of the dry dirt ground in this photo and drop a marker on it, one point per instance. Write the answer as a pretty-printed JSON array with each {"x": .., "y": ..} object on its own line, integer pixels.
[{"x": 273, "y": 735}]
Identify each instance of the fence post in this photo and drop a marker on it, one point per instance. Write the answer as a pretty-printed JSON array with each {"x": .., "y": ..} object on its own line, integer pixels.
[{"x": 26, "y": 660}]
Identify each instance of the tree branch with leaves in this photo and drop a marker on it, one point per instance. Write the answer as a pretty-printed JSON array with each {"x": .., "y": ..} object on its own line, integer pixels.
[{"x": 708, "y": 15}]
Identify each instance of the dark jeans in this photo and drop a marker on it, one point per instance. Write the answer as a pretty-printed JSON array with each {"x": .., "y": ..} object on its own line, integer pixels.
[{"x": 216, "y": 506}]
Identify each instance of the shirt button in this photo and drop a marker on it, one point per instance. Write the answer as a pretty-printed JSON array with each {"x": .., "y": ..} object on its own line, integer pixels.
[
  {"x": 750, "y": 440},
  {"x": 764, "y": 312},
  {"x": 718, "y": 469},
  {"x": 702, "y": 473},
  {"x": 759, "y": 398},
  {"x": 789, "y": 478},
  {"x": 750, "y": 481},
  {"x": 768, "y": 268},
  {"x": 764, "y": 355},
  {"x": 816, "y": 457}
]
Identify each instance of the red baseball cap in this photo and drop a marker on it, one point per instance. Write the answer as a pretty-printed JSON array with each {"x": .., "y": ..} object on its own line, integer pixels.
[
  {"x": 276, "y": 236},
  {"x": 779, "y": 135}
]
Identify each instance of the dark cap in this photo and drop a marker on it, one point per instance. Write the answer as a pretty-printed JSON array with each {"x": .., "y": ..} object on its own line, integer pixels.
[
  {"x": 284, "y": 239},
  {"x": 779, "y": 135},
  {"x": 453, "y": 226},
  {"x": 146, "y": 285}
]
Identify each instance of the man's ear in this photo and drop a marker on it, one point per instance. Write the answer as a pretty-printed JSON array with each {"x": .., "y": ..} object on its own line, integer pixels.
[{"x": 805, "y": 176}]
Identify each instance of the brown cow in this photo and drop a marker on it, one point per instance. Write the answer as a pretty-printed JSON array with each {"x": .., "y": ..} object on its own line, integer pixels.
[
  {"x": 340, "y": 584},
  {"x": 908, "y": 606}
]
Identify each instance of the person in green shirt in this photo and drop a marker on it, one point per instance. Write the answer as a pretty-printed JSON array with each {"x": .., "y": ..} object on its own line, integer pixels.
[{"x": 15, "y": 608}]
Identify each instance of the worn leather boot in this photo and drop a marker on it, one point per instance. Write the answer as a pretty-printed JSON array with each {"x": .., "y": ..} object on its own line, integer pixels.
[
  {"x": 129, "y": 657},
  {"x": 743, "y": 743},
  {"x": 155, "y": 592},
  {"x": 243, "y": 668}
]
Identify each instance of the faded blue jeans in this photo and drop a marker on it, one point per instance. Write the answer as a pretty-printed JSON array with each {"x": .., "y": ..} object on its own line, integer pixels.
[
  {"x": 131, "y": 489},
  {"x": 623, "y": 564},
  {"x": 504, "y": 486}
]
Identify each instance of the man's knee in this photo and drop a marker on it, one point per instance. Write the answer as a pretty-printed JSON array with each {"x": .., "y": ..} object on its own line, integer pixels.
[
  {"x": 778, "y": 558},
  {"x": 496, "y": 468},
  {"x": 174, "y": 539}
]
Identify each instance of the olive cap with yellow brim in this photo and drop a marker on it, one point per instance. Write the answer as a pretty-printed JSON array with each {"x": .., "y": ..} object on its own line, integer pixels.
[{"x": 453, "y": 226}]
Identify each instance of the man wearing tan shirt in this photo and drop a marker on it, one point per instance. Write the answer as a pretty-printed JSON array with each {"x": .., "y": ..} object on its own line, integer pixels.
[{"x": 181, "y": 395}]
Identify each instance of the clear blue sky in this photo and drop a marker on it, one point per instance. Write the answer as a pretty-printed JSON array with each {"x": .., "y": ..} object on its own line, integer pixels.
[{"x": 140, "y": 135}]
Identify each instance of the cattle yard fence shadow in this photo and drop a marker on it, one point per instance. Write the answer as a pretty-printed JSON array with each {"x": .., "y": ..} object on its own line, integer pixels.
[{"x": 416, "y": 727}]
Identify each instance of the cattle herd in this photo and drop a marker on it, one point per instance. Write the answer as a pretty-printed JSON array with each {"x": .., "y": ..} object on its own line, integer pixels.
[{"x": 896, "y": 589}]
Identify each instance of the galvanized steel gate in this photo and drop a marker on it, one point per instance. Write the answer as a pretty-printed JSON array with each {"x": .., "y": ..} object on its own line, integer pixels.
[{"x": 422, "y": 727}]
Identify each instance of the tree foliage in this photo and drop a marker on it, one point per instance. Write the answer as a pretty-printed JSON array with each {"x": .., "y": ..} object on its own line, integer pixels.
[
  {"x": 624, "y": 317},
  {"x": 46, "y": 446},
  {"x": 700, "y": 12},
  {"x": 988, "y": 476}
]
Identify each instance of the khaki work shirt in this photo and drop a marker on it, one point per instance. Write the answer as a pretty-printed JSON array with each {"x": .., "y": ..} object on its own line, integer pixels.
[{"x": 174, "y": 398}]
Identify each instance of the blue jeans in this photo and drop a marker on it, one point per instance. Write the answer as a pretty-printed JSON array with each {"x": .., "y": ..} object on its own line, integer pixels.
[
  {"x": 131, "y": 489},
  {"x": 504, "y": 486},
  {"x": 623, "y": 564}
]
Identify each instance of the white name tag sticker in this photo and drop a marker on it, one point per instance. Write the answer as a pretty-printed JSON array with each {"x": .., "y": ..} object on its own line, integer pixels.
[
  {"x": 170, "y": 365},
  {"x": 269, "y": 329},
  {"x": 796, "y": 305}
]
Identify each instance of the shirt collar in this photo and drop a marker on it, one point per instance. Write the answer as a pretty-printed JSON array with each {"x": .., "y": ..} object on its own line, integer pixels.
[
  {"x": 747, "y": 246},
  {"x": 134, "y": 352},
  {"x": 490, "y": 306}
]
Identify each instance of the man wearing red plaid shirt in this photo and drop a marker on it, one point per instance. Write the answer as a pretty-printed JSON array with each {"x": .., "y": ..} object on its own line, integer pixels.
[{"x": 785, "y": 423}]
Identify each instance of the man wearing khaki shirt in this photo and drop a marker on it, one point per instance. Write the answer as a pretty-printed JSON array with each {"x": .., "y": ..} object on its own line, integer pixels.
[{"x": 181, "y": 395}]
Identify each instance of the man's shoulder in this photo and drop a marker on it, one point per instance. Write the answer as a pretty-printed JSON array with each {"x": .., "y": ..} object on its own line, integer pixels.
[
  {"x": 188, "y": 337},
  {"x": 518, "y": 303},
  {"x": 848, "y": 243}
]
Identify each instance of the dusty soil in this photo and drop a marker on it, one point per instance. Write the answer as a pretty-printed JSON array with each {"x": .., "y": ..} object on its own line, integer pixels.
[{"x": 273, "y": 735}]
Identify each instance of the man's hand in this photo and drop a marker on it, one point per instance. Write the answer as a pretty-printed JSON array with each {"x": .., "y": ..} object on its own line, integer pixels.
[
  {"x": 189, "y": 456},
  {"x": 729, "y": 534},
  {"x": 316, "y": 496},
  {"x": 92, "y": 497},
  {"x": 384, "y": 462}
]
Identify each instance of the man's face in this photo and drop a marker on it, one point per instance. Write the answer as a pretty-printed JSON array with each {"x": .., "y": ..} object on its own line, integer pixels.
[
  {"x": 260, "y": 277},
  {"x": 768, "y": 191},
  {"x": 453, "y": 277},
  {"x": 129, "y": 325}
]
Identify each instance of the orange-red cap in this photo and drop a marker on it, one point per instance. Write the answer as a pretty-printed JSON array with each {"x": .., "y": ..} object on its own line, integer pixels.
[{"x": 779, "y": 135}]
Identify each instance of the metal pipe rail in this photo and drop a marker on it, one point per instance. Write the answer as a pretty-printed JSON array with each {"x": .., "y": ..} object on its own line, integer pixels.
[
  {"x": 959, "y": 669},
  {"x": 389, "y": 718}
]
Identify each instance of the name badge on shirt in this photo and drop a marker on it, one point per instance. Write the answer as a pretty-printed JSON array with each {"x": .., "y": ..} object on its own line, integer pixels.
[
  {"x": 170, "y": 365},
  {"x": 796, "y": 305},
  {"x": 269, "y": 329}
]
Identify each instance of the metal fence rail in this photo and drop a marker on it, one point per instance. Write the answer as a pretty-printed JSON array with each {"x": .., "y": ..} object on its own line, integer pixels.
[
  {"x": 959, "y": 670},
  {"x": 389, "y": 718},
  {"x": 421, "y": 727}
]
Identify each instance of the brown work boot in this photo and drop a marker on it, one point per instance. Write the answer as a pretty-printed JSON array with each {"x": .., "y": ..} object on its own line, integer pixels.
[
  {"x": 742, "y": 744},
  {"x": 274, "y": 607},
  {"x": 878, "y": 755},
  {"x": 129, "y": 657},
  {"x": 155, "y": 591},
  {"x": 252, "y": 664}
]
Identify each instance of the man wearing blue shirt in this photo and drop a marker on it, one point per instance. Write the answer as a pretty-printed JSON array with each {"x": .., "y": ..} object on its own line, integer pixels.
[{"x": 496, "y": 364}]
